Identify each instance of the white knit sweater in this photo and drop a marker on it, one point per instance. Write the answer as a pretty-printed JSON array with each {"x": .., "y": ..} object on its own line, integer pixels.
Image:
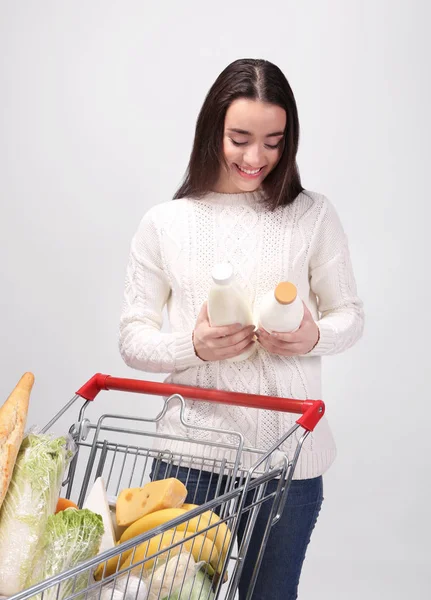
[{"x": 172, "y": 255}]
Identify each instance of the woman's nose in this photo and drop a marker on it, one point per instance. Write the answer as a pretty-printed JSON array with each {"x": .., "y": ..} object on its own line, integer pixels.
[{"x": 253, "y": 156}]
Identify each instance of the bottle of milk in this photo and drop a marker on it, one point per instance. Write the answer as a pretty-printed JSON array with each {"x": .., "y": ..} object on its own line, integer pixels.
[
  {"x": 281, "y": 310},
  {"x": 228, "y": 304}
]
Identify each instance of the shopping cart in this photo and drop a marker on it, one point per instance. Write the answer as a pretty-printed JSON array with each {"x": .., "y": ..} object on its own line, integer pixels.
[{"x": 127, "y": 452}]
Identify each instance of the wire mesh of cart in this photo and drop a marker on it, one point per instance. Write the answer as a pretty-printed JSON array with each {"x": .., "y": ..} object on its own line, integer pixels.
[{"x": 194, "y": 554}]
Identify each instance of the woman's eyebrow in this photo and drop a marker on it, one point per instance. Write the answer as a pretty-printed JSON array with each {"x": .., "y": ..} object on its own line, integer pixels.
[
  {"x": 240, "y": 131},
  {"x": 244, "y": 132}
]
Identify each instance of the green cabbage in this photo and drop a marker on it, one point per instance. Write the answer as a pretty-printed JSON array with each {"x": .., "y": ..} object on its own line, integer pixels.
[
  {"x": 197, "y": 587},
  {"x": 71, "y": 537},
  {"x": 31, "y": 498}
]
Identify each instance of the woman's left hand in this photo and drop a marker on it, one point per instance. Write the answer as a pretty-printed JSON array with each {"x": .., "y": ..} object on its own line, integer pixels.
[{"x": 299, "y": 342}]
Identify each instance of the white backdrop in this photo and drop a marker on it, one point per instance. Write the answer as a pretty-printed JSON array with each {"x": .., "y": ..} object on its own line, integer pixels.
[{"x": 98, "y": 105}]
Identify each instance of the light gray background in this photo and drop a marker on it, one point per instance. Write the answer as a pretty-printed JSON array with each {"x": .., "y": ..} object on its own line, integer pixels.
[{"x": 98, "y": 106}]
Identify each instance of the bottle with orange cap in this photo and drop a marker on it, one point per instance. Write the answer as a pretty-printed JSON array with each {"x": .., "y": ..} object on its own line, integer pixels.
[{"x": 281, "y": 310}]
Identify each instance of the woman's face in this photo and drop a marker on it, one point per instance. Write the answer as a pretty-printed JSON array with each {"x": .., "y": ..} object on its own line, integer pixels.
[{"x": 252, "y": 144}]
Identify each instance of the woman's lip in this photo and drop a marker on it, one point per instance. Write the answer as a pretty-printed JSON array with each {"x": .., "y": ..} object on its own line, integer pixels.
[{"x": 248, "y": 175}]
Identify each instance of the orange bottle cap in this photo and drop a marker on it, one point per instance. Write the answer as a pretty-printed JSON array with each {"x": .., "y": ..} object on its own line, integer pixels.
[{"x": 285, "y": 292}]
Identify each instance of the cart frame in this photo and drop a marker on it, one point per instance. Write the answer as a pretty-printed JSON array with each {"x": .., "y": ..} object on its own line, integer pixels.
[{"x": 240, "y": 496}]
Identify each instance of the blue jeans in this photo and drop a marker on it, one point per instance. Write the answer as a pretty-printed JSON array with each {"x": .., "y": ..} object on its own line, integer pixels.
[{"x": 281, "y": 566}]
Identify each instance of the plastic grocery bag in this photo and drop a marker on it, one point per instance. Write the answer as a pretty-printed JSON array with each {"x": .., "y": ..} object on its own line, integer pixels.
[
  {"x": 71, "y": 537},
  {"x": 31, "y": 498}
]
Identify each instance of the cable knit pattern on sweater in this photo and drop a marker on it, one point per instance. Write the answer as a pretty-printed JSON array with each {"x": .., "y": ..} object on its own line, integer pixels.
[{"x": 171, "y": 258}]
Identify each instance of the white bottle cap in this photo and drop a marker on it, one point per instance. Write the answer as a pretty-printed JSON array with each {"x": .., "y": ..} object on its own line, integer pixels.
[{"x": 222, "y": 273}]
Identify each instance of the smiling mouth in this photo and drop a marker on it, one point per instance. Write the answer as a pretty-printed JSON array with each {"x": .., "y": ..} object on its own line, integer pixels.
[{"x": 249, "y": 172}]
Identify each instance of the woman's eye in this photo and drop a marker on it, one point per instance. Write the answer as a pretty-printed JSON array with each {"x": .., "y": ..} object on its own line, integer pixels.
[
  {"x": 269, "y": 146},
  {"x": 273, "y": 147}
]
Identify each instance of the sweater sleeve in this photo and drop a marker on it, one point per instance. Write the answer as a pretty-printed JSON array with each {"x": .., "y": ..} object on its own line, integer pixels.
[
  {"x": 142, "y": 344},
  {"x": 332, "y": 280}
]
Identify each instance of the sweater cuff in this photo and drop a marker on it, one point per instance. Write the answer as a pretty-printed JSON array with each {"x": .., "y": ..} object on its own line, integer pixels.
[
  {"x": 327, "y": 340},
  {"x": 185, "y": 355}
]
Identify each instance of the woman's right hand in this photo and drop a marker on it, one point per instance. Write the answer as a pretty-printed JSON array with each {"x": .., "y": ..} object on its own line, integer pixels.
[{"x": 220, "y": 343}]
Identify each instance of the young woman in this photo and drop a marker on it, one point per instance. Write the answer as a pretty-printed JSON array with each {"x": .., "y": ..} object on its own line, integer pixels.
[{"x": 242, "y": 202}]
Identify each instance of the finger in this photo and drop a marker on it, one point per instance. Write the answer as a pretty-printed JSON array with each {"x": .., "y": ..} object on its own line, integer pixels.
[
  {"x": 295, "y": 337},
  {"x": 231, "y": 340},
  {"x": 269, "y": 347},
  {"x": 291, "y": 350},
  {"x": 288, "y": 338},
  {"x": 307, "y": 318},
  {"x": 203, "y": 314},
  {"x": 307, "y": 312},
  {"x": 240, "y": 350},
  {"x": 236, "y": 349},
  {"x": 270, "y": 342},
  {"x": 277, "y": 337},
  {"x": 284, "y": 348},
  {"x": 221, "y": 332}
]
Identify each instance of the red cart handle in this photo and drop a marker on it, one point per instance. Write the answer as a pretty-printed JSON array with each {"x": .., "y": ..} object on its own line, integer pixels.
[{"x": 311, "y": 410}]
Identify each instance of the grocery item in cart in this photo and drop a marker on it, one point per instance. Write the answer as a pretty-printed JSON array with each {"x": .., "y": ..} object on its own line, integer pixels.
[
  {"x": 64, "y": 504},
  {"x": 152, "y": 520},
  {"x": 71, "y": 537},
  {"x": 124, "y": 587},
  {"x": 219, "y": 533},
  {"x": 13, "y": 417},
  {"x": 118, "y": 531},
  {"x": 281, "y": 310},
  {"x": 97, "y": 501},
  {"x": 32, "y": 497},
  {"x": 200, "y": 547},
  {"x": 197, "y": 587},
  {"x": 228, "y": 304},
  {"x": 179, "y": 578},
  {"x": 134, "y": 503}
]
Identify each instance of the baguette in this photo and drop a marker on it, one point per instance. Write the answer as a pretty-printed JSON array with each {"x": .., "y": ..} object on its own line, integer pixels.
[{"x": 13, "y": 417}]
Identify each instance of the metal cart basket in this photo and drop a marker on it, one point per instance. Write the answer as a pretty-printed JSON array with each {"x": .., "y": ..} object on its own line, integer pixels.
[{"x": 129, "y": 451}]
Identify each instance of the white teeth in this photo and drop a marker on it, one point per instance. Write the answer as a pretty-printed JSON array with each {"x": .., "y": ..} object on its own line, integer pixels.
[{"x": 248, "y": 172}]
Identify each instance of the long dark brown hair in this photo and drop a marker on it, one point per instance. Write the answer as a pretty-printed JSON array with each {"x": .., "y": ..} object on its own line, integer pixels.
[{"x": 254, "y": 79}]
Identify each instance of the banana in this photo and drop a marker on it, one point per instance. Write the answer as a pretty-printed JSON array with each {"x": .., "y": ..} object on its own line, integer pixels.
[
  {"x": 200, "y": 547},
  {"x": 140, "y": 526},
  {"x": 150, "y": 521},
  {"x": 215, "y": 541},
  {"x": 219, "y": 534},
  {"x": 188, "y": 507},
  {"x": 111, "y": 565}
]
